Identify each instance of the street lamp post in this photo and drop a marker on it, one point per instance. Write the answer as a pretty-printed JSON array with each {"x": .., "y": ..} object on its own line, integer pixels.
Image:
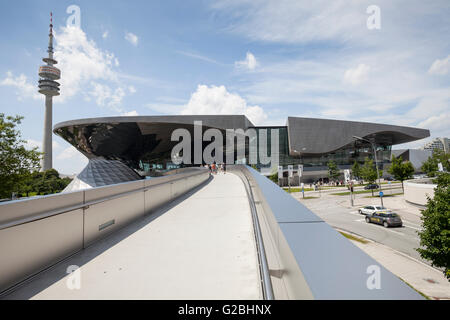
[{"x": 376, "y": 162}]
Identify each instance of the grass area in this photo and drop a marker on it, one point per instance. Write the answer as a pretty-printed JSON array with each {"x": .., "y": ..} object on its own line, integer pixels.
[
  {"x": 330, "y": 187},
  {"x": 354, "y": 192},
  {"x": 385, "y": 195},
  {"x": 349, "y": 236},
  {"x": 309, "y": 197},
  {"x": 296, "y": 189},
  {"x": 30, "y": 194},
  {"x": 421, "y": 293}
]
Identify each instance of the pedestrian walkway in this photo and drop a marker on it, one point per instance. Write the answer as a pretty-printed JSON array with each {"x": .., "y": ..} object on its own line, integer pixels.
[
  {"x": 199, "y": 247},
  {"x": 422, "y": 277}
]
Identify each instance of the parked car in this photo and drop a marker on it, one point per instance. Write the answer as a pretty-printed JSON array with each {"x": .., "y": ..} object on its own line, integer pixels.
[
  {"x": 371, "y": 186},
  {"x": 371, "y": 209},
  {"x": 389, "y": 179},
  {"x": 387, "y": 219}
]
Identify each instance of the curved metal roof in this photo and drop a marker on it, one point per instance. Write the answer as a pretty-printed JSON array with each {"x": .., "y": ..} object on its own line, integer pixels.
[
  {"x": 113, "y": 135},
  {"x": 315, "y": 136},
  {"x": 215, "y": 121}
]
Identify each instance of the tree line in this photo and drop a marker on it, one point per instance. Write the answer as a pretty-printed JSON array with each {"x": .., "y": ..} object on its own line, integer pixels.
[{"x": 19, "y": 166}]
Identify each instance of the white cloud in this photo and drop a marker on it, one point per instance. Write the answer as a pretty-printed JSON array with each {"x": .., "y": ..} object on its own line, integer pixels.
[
  {"x": 31, "y": 144},
  {"x": 131, "y": 89},
  {"x": 217, "y": 100},
  {"x": 357, "y": 75},
  {"x": 105, "y": 96},
  {"x": 130, "y": 113},
  {"x": 68, "y": 153},
  {"x": 197, "y": 56},
  {"x": 249, "y": 63},
  {"x": 294, "y": 21},
  {"x": 131, "y": 38},
  {"x": 87, "y": 69},
  {"x": 338, "y": 68},
  {"x": 81, "y": 61},
  {"x": 25, "y": 89},
  {"x": 440, "y": 67}
]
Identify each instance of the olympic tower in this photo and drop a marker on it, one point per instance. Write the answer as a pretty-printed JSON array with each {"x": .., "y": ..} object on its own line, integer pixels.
[{"x": 48, "y": 87}]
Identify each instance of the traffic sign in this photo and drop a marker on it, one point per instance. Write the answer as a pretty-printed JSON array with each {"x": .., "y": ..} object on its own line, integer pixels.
[
  {"x": 280, "y": 172},
  {"x": 381, "y": 193},
  {"x": 300, "y": 170},
  {"x": 347, "y": 175}
]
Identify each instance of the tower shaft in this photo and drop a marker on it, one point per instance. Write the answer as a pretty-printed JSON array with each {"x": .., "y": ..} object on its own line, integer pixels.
[{"x": 47, "y": 148}]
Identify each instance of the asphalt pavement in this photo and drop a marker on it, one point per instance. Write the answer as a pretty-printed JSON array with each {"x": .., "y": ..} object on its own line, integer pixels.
[{"x": 337, "y": 212}]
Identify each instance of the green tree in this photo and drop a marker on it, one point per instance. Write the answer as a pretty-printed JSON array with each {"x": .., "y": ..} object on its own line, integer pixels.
[
  {"x": 401, "y": 170},
  {"x": 356, "y": 169},
  {"x": 430, "y": 167},
  {"x": 17, "y": 162},
  {"x": 435, "y": 235},
  {"x": 333, "y": 171},
  {"x": 369, "y": 172},
  {"x": 274, "y": 177},
  {"x": 42, "y": 183}
]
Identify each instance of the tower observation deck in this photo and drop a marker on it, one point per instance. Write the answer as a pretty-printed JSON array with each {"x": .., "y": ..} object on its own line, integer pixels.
[{"x": 48, "y": 87}]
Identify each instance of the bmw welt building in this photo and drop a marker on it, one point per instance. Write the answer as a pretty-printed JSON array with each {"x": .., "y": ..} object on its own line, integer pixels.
[{"x": 126, "y": 148}]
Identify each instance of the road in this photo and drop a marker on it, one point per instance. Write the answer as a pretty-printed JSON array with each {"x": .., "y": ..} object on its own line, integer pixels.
[{"x": 336, "y": 211}]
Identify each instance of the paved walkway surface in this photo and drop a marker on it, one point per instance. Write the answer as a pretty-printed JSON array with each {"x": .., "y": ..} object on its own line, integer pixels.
[
  {"x": 422, "y": 277},
  {"x": 200, "y": 247}
]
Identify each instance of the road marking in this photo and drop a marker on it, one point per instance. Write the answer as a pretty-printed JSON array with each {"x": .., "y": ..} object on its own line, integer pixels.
[
  {"x": 356, "y": 213},
  {"x": 407, "y": 226},
  {"x": 386, "y": 229}
]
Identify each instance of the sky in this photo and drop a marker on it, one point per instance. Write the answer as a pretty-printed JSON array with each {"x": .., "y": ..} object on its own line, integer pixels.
[{"x": 375, "y": 61}]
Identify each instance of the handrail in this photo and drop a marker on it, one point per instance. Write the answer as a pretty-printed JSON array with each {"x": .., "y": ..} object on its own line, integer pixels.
[
  {"x": 83, "y": 205},
  {"x": 264, "y": 267}
]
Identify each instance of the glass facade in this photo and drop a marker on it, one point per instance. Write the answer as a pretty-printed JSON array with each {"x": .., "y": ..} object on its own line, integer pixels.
[
  {"x": 146, "y": 147},
  {"x": 343, "y": 157}
]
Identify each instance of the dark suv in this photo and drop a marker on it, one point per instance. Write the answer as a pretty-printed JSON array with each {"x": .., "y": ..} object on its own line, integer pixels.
[
  {"x": 371, "y": 186},
  {"x": 387, "y": 219}
]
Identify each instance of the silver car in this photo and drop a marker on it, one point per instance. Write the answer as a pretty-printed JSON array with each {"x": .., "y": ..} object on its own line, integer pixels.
[
  {"x": 387, "y": 219},
  {"x": 371, "y": 209}
]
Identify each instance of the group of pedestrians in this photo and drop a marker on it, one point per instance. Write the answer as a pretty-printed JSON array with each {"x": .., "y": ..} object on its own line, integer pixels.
[{"x": 215, "y": 168}]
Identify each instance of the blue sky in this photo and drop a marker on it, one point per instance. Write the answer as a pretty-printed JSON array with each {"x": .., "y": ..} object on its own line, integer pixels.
[{"x": 265, "y": 59}]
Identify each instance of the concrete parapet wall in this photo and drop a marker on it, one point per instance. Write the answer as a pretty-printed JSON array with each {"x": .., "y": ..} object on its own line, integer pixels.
[
  {"x": 417, "y": 191},
  {"x": 307, "y": 258},
  {"x": 36, "y": 233}
]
